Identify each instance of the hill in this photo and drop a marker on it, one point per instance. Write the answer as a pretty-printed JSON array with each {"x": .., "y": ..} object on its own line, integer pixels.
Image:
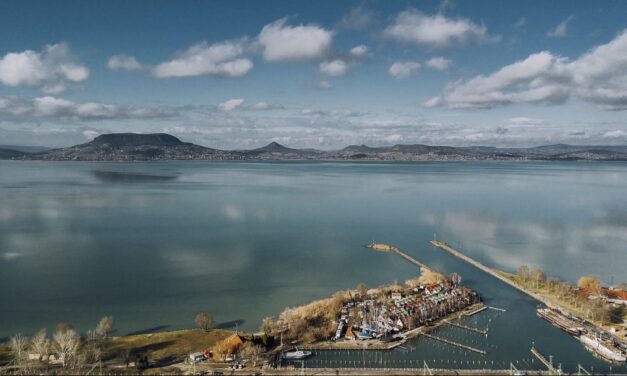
[{"x": 162, "y": 146}]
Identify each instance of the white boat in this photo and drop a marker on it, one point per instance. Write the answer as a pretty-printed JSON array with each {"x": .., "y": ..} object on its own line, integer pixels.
[
  {"x": 295, "y": 355},
  {"x": 602, "y": 349}
]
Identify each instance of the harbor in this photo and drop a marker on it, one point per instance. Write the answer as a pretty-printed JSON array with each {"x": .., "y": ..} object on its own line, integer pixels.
[{"x": 595, "y": 339}]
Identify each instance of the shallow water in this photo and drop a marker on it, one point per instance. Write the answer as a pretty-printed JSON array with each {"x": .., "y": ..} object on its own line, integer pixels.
[{"x": 154, "y": 243}]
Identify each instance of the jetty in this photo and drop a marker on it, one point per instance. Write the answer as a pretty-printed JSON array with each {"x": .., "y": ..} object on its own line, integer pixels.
[
  {"x": 456, "y": 344},
  {"x": 382, "y": 247},
  {"x": 444, "y": 246},
  {"x": 468, "y": 328}
]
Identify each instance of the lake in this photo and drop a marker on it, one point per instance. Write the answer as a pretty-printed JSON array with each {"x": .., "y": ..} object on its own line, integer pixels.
[{"x": 154, "y": 243}]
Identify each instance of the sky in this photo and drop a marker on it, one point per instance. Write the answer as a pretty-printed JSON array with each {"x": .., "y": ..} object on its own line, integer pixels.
[{"x": 320, "y": 74}]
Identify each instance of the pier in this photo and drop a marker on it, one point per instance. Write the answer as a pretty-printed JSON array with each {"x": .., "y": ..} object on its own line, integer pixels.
[
  {"x": 547, "y": 362},
  {"x": 468, "y": 328},
  {"x": 392, "y": 249},
  {"x": 444, "y": 246},
  {"x": 456, "y": 344}
]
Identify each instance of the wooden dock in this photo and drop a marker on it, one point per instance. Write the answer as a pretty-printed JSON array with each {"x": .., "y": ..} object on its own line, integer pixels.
[
  {"x": 468, "y": 328},
  {"x": 456, "y": 344},
  {"x": 548, "y": 363}
]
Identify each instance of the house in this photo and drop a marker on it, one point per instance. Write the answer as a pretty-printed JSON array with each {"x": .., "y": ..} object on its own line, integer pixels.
[
  {"x": 350, "y": 334},
  {"x": 617, "y": 296}
]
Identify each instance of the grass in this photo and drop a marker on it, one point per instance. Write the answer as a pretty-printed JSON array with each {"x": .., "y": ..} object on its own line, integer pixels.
[{"x": 164, "y": 346}]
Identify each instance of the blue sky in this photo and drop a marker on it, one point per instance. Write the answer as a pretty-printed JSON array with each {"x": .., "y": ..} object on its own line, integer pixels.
[{"x": 239, "y": 74}]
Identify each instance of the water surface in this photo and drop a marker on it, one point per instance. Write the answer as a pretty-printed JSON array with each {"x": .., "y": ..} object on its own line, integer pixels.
[{"x": 154, "y": 243}]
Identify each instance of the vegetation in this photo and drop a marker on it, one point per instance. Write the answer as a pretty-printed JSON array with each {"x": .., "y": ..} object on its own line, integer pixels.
[
  {"x": 308, "y": 323},
  {"x": 581, "y": 300}
]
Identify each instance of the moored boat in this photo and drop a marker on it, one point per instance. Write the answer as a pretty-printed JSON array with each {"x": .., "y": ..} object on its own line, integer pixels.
[
  {"x": 566, "y": 324},
  {"x": 603, "y": 348},
  {"x": 296, "y": 354}
]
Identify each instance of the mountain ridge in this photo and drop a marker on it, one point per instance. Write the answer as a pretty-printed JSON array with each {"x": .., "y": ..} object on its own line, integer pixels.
[{"x": 163, "y": 146}]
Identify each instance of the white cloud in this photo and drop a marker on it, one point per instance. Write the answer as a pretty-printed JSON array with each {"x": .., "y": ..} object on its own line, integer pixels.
[
  {"x": 357, "y": 18},
  {"x": 231, "y": 104},
  {"x": 220, "y": 59},
  {"x": 599, "y": 76},
  {"x": 324, "y": 85},
  {"x": 62, "y": 109},
  {"x": 522, "y": 120},
  {"x": 432, "y": 102},
  {"x": 403, "y": 69},
  {"x": 335, "y": 67},
  {"x": 281, "y": 42},
  {"x": 359, "y": 51},
  {"x": 439, "y": 63},
  {"x": 123, "y": 62},
  {"x": 437, "y": 31},
  {"x": 263, "y": 106},
  {"x": 561, "y": 29},
  {"x": 53, "y": 70},
  {"x": 615, "y": 134}
]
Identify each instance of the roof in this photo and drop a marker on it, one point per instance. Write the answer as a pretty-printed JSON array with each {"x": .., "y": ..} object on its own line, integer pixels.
[{"x": 617, "y": 294}]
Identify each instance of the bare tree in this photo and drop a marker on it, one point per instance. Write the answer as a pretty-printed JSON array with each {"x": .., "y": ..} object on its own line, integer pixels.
[
  {"x": 362, "y": 290},
  {"x": 67, "y": 343},
  {"x": 63, "y": 327},
  {"x": 40, "y": 343},
  {"x": 523, "y": 272},
  {"x": 104, "y": 327},
  {"x": 18, "y": 344},
  {"x": 204, "y": 320},
  {"x": 252, "y": 352},
  {"x": 537, "y": 275}
]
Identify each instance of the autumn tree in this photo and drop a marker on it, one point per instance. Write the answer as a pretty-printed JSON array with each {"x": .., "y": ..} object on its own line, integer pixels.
[
  {"x": 204, "y": 320},
  {"x": 590, "y": 283}
]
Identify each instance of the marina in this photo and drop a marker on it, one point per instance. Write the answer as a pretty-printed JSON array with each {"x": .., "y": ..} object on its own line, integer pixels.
[{"x": 603, "y": 344}]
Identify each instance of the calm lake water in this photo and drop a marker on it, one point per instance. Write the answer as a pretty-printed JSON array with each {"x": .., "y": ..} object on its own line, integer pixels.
[{"x": 154, "y": 243}]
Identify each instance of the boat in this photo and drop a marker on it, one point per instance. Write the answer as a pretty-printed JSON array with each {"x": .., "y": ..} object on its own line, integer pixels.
[
  {"x": 296, "y": 354},
  {"x": 557, "y": 319},
  {"x": 604, "y": 349}
]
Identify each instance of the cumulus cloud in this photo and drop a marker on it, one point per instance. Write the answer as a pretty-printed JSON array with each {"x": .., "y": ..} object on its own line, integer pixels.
[
  {"x": 403, "y": 69},
  {"x": 439, "y": 63},
  {"x": 285, "y": 43},
  {"x": 598, "y": 76},
  {"x": 359, "y": 51},
  {"x": 222, "y": 59},
  {"x": 337, "y": 67},
  {"x": 123, "y": 62},
  {"x": 231, "y": 104},
  {"x": 52, "y": 70},
  {"x": 62, "y": 109},
  {"x": 561, "y": 29},
  {"x": 436, "y": 31}
]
